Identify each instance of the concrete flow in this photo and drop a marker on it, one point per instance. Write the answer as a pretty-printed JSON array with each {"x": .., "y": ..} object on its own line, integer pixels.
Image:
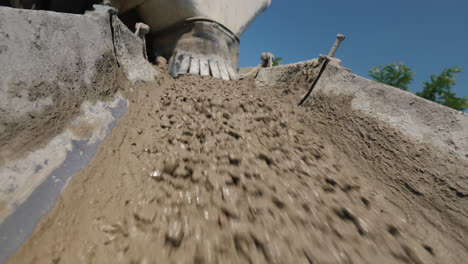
[
  {"x": 201, "y": 170},
  {"x": 61, "y": 94}
]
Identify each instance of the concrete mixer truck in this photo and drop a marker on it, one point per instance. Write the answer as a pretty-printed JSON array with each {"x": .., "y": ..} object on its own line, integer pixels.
[{"x": 199, "y": 37}]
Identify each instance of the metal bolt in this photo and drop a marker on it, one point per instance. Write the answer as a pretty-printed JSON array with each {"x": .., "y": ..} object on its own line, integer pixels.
[
  {"x": 339, "y": 38},
  {"x": 267, "y": 59},
  {"x": 141, "y": 30}
]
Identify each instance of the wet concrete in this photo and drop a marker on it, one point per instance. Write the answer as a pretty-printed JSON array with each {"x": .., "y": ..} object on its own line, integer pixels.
[{"x": 205, "y": 171}]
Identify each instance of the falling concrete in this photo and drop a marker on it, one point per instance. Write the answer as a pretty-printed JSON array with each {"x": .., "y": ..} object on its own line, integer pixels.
[
  {"x": 202, "y": 170},
  {"x": 208, "y": 171}
]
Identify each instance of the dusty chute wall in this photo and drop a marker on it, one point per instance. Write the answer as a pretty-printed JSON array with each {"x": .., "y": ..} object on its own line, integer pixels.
[
  {"x": 59, "y": 98},
  {"x": 417, "y": 118}
]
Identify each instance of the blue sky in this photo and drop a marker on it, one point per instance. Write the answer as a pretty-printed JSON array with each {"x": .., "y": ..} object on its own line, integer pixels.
[{"x": 426, "y": 35}]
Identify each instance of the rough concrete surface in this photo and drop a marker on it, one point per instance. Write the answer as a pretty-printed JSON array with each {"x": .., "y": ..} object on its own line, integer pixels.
[
  {"x": 129, "y": 51},
  {"x": 57, "y": 87},
  {"x": 40, "y": 176},
  {"x": 422, "y": 120},
  {"x": 57, "y": 68},
  {"x": 291, "y": 77},
  {"x": 204, "y": 171},
  {"x": 54, "y": 62}
]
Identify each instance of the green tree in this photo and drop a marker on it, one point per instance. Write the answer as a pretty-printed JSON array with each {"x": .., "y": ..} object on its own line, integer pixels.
[
  {"x": 394, "y": 74},
  {"x": 437, "y": 89},
  {"x": 277, "y": 61}
]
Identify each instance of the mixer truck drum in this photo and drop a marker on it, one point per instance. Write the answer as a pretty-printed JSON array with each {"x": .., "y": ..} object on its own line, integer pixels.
[{"x": 199, "y": 46}]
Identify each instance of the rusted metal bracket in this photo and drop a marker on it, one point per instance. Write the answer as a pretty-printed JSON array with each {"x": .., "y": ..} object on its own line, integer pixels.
[{"x": 325, "y": 60}]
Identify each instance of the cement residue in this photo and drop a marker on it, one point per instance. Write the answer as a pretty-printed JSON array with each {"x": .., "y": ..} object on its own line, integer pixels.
[
  {"x": 40, "y": 177},
  {"x": 205, "y": 171},
  {"x": 129, "y": 50},
  {"x": 26, "y": 132},
  {"x": 291, "y": 78},
  {"x": 20, "y": 177},
  {"x": 35, "y": 140}
]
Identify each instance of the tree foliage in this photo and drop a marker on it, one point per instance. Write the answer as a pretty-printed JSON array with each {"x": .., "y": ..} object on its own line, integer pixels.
[
  {"x": 394, "y": 74},
  {"x": 277, "y": 61},
  {"x": 438, "y": 89}
]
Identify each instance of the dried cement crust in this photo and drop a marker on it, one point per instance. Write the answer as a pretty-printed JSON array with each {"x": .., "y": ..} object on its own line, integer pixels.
[
  {"x": 33, "y": 130},
  {"x": 51, "y": 64},
  {"x": 205, "y": 171}
]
